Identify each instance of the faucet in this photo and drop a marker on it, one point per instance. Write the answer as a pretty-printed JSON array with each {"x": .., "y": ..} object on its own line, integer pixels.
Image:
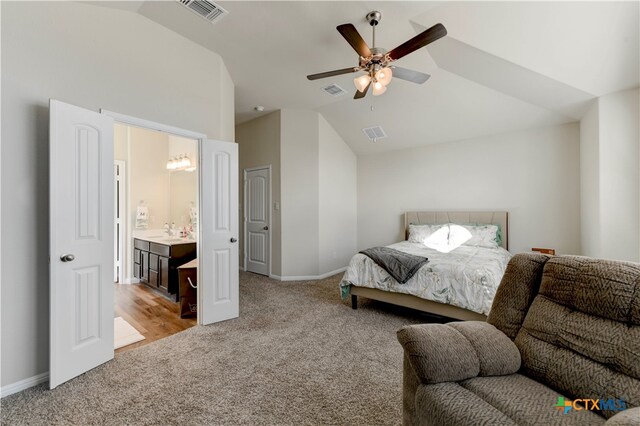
[{"x": 168, "y": 230}]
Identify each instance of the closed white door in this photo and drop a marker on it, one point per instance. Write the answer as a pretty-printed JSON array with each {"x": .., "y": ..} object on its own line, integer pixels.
[
  {"x": 257, "y": 219},
  {"x": 218, "y": 298},
  {"x": 81, "y": 241}
]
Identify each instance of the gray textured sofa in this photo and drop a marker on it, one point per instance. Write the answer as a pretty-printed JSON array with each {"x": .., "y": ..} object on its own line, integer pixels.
[{"x": 560, "y": 327}]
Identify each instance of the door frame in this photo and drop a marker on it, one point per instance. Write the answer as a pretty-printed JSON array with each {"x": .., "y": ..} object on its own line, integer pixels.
[
  {"x": 122, "y": 203},
  {"x": 244, "y": 214},
  {"x": 176, "y": 131}
]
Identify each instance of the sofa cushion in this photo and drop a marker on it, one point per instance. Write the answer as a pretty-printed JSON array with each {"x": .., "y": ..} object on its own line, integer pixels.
[
  {"x": 449, "y": 404},
  {"x": 517, "y": 289},
  {"x": 526, "y": 402},
  {"x": 581, "y": 335}
]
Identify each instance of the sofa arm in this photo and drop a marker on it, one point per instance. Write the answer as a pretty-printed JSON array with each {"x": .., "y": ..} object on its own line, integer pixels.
[
  {"x": 629, "y": 417},
  {"x": 458, "y": 351}
]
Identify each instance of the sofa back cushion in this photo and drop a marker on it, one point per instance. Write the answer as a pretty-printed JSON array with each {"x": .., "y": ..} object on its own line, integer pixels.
[
  {"x": 520, "y": 284},
  {"x": 581, "y": 334}
]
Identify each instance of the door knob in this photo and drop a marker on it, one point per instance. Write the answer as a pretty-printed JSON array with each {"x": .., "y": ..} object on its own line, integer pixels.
[
  {"x": 233, "y": 240},
  {"x": 266, "y": 228},
  {"x": 67, "y": 257}
]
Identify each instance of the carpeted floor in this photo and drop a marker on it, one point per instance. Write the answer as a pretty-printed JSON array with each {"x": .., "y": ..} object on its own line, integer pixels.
[{"x": 297, "y": 355}]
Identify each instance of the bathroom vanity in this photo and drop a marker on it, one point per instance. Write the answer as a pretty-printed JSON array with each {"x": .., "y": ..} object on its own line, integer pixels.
[{"x": 156, "y": 260}]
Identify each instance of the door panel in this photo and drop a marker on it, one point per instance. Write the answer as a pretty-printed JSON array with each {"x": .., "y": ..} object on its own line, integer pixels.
[
  {"x": 257, "y": 219},
  {"x": 218, "y": 267},
  {"x": 81, "y": 241}
]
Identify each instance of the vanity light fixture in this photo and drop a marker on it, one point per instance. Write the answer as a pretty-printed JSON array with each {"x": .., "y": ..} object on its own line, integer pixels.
[{"x": 180, "y": 162}]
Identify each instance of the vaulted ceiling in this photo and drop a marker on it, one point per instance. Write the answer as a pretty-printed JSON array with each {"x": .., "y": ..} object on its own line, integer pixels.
[{"x": 504, "y": 66}]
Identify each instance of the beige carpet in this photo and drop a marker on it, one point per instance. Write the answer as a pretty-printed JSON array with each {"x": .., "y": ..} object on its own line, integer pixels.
[
  {"x": 124, "y": 334},
  {"x": 297, "y": 355}
]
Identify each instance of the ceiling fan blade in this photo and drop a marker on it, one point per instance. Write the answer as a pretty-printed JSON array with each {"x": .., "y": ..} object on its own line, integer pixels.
[
  {"x": 359, "y": 94},
  {"x": 409, "y": 75},
  {"x": 354, "y": 38},
  {"x": 419, "y": 41},
  {"x": 332, "y": 73}
]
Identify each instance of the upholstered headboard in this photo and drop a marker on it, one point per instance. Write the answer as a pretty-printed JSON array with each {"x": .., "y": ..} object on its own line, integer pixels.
[{"x": 488, "y": 218}]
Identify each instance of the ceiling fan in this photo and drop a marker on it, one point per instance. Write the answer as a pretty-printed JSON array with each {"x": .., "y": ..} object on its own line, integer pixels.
[{"x": 376, "y": 61}]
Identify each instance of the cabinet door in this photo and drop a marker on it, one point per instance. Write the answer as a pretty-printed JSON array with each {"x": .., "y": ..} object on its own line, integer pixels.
[
  {"x": 153, "y": 278},
  {"x": 163, "y": 270},
  {"x": 144, "y": 265},
  {"x": 136, "y": 270}
]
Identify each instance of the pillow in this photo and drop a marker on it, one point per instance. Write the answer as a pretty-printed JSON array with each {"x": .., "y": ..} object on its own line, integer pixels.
[
  {"x": 419, "y": 233},
  {"x": 483, "y": 236},
  {"x": 448, "y": 238}
]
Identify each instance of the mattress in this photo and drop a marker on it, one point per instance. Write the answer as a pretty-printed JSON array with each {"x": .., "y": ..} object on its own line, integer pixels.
[{"x": 467, "y": 277}]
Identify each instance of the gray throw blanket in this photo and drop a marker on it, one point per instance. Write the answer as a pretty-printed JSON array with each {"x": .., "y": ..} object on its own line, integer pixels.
[{"x": 401, "y": 266}]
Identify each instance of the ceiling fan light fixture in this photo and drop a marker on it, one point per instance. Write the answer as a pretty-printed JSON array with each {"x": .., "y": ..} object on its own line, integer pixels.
[
  {"x": 378, "y": 88},
  {"x": 384, "y": 76},
  {"x": 362, "y": 82}
]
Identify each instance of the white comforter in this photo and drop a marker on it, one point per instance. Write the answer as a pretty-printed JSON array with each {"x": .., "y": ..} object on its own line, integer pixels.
[{"x": 467, "y": 277}]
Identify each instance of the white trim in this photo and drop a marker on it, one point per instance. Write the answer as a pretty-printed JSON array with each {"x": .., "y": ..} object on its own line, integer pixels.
[
  {"x": 124, "y": 218},
  {"x": 131, "y": 281},
  {"x": 308, "y": 277},
  {"x": 244, "y": 215},
  {"x": 147, "y": 124},
  {"x": 23, "y": 384}
]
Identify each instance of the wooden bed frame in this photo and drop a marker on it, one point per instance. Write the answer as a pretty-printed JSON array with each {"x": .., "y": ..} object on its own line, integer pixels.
[{"x": 429, "y": 218}]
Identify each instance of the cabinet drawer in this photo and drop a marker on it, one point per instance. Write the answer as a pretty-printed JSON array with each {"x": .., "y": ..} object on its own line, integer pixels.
[
  {"x": 153, "y": 261},
  {"x": 142, "y": 245},
  {"x": 160, "y": 249},
  {"x": 153, "y": 278},
  {"x": 136, "y": 255}
]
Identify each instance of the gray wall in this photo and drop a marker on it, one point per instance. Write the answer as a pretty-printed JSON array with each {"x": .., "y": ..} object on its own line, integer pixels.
[
  {"x": 93, "y": 57},
  {"x": 259, "y": 145},
  {"x": 534, "y": 175}
]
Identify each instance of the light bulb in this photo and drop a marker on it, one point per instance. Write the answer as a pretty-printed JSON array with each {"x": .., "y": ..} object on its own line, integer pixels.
[
  {"x": 384, "y": 76},
  {"x": 378, "y": 88},
  {"x": 169, "y": 165},
  {"x": 362, "y": 82}
]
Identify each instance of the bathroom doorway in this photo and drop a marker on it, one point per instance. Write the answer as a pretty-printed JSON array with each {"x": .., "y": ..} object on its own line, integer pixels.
[{"x": 156, "y": 241}]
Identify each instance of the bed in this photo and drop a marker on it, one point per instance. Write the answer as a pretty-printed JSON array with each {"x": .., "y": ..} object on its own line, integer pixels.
[{"x": 460, "y": 284}]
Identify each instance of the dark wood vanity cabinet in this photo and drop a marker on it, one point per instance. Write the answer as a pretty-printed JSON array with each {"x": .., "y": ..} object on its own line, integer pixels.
[{"x": 156, "y": 264}]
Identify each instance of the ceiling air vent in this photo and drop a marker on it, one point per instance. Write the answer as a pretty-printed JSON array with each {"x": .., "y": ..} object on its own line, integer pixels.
[
  {"x": 334, "y": 90},
  {"x": 374, "y": 133},
  {"x": 205, "y": 9}
]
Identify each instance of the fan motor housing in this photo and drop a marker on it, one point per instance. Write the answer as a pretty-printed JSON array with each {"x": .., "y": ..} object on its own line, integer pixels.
[{"x": 374, "y": 18}]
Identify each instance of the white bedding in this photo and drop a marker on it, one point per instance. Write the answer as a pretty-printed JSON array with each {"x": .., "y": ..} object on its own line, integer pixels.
[{"x": 466, "y": 277}]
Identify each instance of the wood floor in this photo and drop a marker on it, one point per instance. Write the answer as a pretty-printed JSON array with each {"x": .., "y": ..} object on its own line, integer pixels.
[{"x": 152, "y": 314}]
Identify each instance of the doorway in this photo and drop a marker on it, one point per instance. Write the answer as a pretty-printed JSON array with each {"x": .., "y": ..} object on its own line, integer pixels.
[
  {"x": 81, "y": 235},
  {"x": 157, "y": 215},
  {"x": 257, "y": 221}
]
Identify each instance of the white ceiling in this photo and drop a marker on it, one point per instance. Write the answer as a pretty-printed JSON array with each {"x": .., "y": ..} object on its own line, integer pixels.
[{"x": 503, "y": 66}]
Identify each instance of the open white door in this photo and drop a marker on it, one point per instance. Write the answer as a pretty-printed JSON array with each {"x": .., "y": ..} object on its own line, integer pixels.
[
  {"x": 81, "y": 241},
  {"x": 218, "y": 257}
]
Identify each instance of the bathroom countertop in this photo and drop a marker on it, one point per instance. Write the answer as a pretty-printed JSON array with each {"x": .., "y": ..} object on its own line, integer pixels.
[{"x": 159, "y": 237}]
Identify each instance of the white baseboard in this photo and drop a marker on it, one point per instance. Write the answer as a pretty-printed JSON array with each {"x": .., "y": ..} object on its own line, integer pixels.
[
  {"x": 23, "y": 384},
  {"x": 131, "y": 281},
  {"x": 307, "y": 277}
]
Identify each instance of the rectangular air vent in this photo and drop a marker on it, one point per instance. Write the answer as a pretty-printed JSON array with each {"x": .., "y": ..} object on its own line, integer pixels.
[
  {"x": 205, "y": 9},
  {"x": 334, "y": 90},
  {"x": 374, "y": 133}
]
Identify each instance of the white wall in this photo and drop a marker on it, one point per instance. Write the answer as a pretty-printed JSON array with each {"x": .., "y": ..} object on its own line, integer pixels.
[
  {"x": 590, "y": 182},
  {"x": 611, "y": 179},
  {"x": 338, "y": 218},
  {"x": 534, "y": 175},
  {"x": 259, "y": 145},
  {"x": 299, "y": 192},
  {"x": 94, "y": 57}
]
